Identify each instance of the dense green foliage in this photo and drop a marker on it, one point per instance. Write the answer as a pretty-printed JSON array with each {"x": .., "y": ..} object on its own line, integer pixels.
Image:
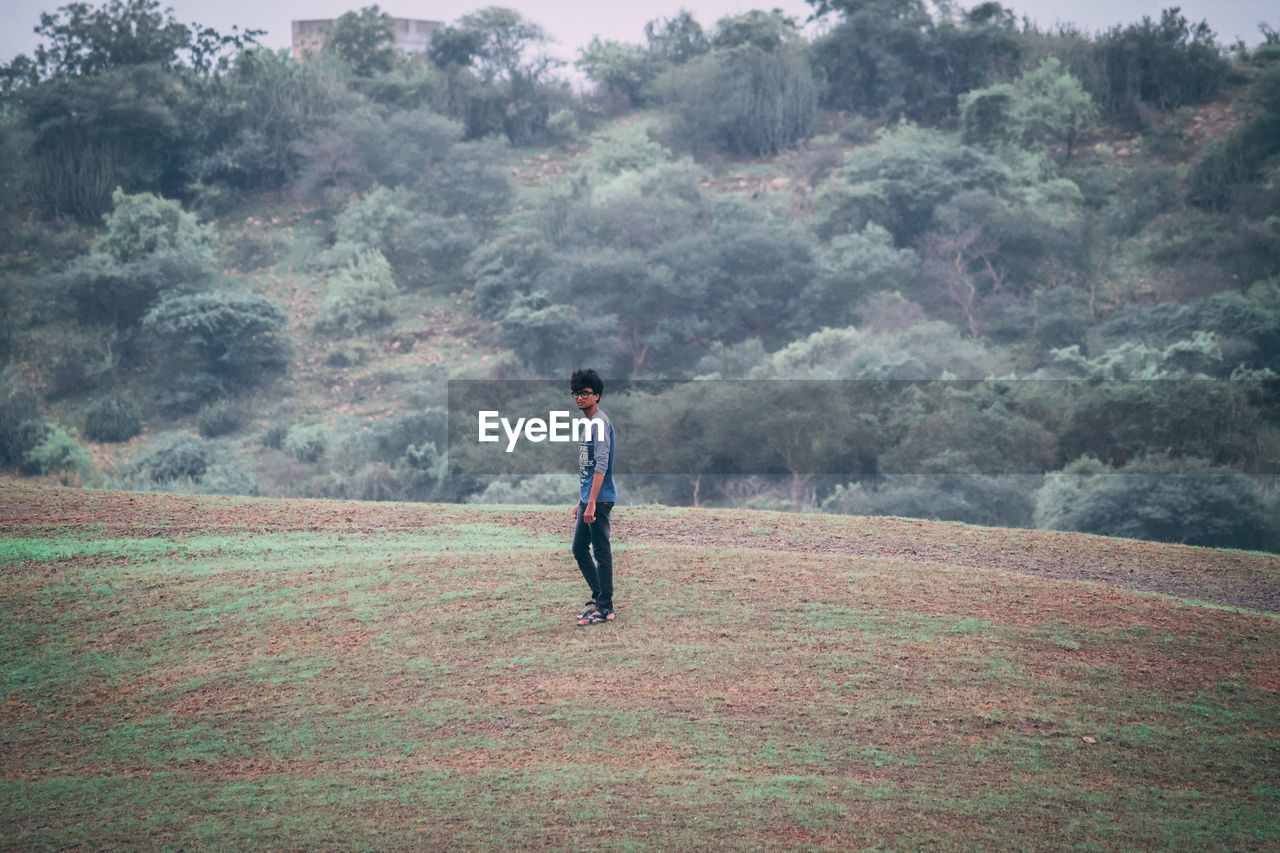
[
  {"x": 289, "y": 258},
  {"x": 113, "y": 418}
]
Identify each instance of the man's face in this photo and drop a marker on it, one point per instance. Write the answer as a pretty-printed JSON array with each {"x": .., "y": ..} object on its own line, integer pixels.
[{"x": 585, "y": 399}]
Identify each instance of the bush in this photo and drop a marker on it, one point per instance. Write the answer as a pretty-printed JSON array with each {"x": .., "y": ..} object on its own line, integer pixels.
[
  {"x": 974, "y": 499},
  {"x": 743, "y": 101},
  {"x": 364, "y": 148},
  {"x": 150, "y": 247},
  {"x": 358, "y": 295},
  {"x": 19, "y": 412},
  {"x": 127, "y": 126},
  {"x": 218, "y": 418},
  {"x": 545, "y": 489},
  {"x": 268, "y": 104},
  {"x": 60, "y": 453},
  {"x": 472, "y": 181},
  {"x": 307, "y": 443},
  {"x": 900, "y": 180},
  {"x": 854, "y": 266},
  {"x": 390, "y": 439},
  {"x": 218, "y": 479},
  {"x": 275, "y": 436},
  {"x": 112, "y": 419},
  {"x": 77, "y": 359},
  {"x": 238, "y": 338},
  {"x": 562, "y": 127},
  {"x": 183, "y": 393},
  {"x": 1227, "y": 168},
  {"x": 182, "y": 458},
  {"x": 1167, "y": 64},
  {"x": 1155, "y": 497},
  {"x": 420, "y": 246},
  {"x": 1061, "y": 318}
]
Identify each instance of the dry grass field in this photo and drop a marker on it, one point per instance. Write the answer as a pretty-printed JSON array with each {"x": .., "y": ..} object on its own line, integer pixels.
[{"x": 228, "y": 673}]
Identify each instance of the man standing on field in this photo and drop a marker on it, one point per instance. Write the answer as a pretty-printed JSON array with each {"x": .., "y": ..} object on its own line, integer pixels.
[{"x": 596, "y": 498}]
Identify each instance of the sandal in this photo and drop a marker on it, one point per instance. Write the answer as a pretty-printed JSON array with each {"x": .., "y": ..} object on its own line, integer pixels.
[
  {"x": 595, "y": 617},
  {"x": 591, "y": 608}
]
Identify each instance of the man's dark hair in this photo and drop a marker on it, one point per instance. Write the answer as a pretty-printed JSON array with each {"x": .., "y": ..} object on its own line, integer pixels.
[{"x": 583, "y": 380}]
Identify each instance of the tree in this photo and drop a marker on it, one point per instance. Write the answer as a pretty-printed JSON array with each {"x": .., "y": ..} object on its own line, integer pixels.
[
  {"x": 151, "y": 248},
  {"x": 1155, "y": 497},
  {"x": 498, "y": 82},
  {"x": 876, "y": 60},
  {"x": 900, "y": 181},
  {"x": 1167, "y": 64},
  {"x": 854, "y": 266},
  {"x": 126, "y": 126},
  {"x": 260, "y": 114},
  {"x": 744, "y": 100},
  {"x": 506, "y": 44},
  {"x": 1044, "y": 106},
  {"x": 620, "y": 71},
  {"x": 767, "y": 31},
  {"x": 116, "y": 97},
  {"x": 676, "y": 40},
  {"x": 365, "y": 41},
  {"x": 82, "y": 41}
]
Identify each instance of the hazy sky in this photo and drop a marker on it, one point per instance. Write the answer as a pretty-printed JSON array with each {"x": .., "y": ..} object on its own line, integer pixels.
[{"x": 572, "y": 25}]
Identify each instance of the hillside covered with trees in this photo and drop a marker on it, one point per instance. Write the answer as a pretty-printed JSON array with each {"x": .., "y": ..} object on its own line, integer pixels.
[{"x": 225, "y": 270}]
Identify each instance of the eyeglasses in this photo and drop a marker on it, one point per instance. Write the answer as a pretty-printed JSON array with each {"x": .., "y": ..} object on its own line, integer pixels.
[{"x": 578, "y": 394}]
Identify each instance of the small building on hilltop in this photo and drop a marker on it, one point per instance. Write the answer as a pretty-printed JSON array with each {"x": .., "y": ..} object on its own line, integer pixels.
[{"x": 412, "y": 35}]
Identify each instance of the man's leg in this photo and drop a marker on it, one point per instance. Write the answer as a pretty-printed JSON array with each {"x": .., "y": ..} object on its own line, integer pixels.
[
  {"x": 604, "y": 556},
  {"x": 582, "y": 553}
]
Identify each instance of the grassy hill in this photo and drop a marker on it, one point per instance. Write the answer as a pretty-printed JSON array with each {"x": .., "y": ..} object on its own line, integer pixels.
[{"x": 201, "y": 672}]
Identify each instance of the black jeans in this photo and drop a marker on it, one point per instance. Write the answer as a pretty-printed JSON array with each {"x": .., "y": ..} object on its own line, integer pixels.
[{"x": 594, "y": 537}]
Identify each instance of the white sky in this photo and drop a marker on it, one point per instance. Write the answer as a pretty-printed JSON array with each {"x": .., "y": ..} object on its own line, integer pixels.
[{"x": 573, "y": 25}]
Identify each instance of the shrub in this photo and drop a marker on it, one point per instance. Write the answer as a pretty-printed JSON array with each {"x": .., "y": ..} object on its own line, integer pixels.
[
  {"x": 112, "y": 419},
  {"x": 185, "y": 392},
  {"x": 1155, "y": 497},
  {"x": 268, "y": 105},
  {"x": 182, "y": 458},
  {"x": 1168, "y": 64},
  {"x": 60, "y": 453},
  {"x": 18, "y": 409},
  {"x": 899, "y": 181},
  {"x": 358, "y": 295},
  {"x": 307, "y": 443},
  {"x": 78, "y": 360},
  {"x": 275, "y": 436},
  {"x": 143, "y": 225},
  {"x": 974, "y": 499},
  {"x": 552, "y": 489},
  {"x": 150, "y": 247},
  {"x": 1061, "y": 318},
  {"x": 390, "y": 439},
  {"x": 218, "y": 479},
  {"x": 218, "y": 418},
  {"x": 854, "y": 266},
  {"x": 419, "y": 245},
  {"x": 30, "y": 435},
  {"x": 472, "y": 181},
  {"x": 743, "y": 101},
  {"x": 237, "y": 338},
  {"x": 562, "y": 127}
]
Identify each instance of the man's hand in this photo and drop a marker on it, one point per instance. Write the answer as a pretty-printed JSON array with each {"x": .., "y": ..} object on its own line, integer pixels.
[
  {"x": 573, "y": 513},
  {"x": 589, "y": 513}
]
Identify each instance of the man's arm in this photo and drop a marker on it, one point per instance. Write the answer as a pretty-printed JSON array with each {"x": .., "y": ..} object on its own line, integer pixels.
[{"x": 589, "y": 512}]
